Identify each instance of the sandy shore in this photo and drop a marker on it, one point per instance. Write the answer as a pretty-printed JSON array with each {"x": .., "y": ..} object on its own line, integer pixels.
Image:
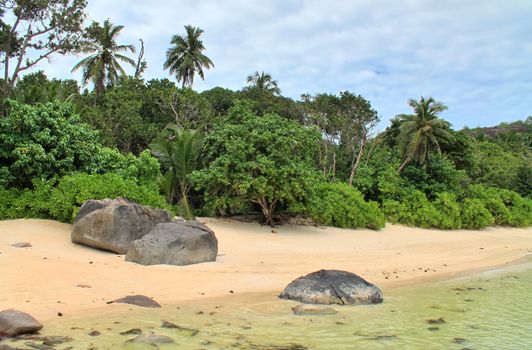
[{"x": 56, "y": 275}]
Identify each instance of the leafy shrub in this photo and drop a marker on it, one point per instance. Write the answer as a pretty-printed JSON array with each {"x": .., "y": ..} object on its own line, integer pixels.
[
  {"x": 507, "y": 207},
  {"x": 414, "y": 209},
  {"x": 143, "y": 169},
  {"x": 38, "y": 142},
  {"x": 61, "y": 201},
  {"x": 449, "y": 211},
  {"x": 340, "y": 205},
  {"x": 265, "y": 162},
  {"x": 475, "y": 215}
]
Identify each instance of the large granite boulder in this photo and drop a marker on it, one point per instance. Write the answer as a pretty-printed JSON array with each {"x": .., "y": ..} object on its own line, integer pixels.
[
  {"x": 113, "y": 224},
  {"x": 175, "y": 243},
  {"x": 332, "y": 287},
  {"x": 14, "y": 322}
]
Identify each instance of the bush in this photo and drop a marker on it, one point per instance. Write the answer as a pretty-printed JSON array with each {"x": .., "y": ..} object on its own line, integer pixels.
[
  {"x": 475, "y": 215},
  {"x": 144, "y": 168},
  {"x": 414, "y": 209},
  {"x": 449, "y": 211},
  {"x": 507, "y": 207},
  {"x": 42, "y": 141},
  {"x": 340, "y": 205},
  {"x": 61, "y": 201},
  {"x": 265, "y": 162}
]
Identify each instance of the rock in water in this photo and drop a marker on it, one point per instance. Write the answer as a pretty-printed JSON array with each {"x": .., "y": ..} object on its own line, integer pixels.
[
  {"x": 151, "y": 339},
  {"x": 332, "y": 287},
  {"x": 113, "y": 224},
  {"x": 139, "y": 300},
  {"x": 175, "y": 243},
  {"x": 13, "y": 323},
  {"x": 313, "y": 310}
]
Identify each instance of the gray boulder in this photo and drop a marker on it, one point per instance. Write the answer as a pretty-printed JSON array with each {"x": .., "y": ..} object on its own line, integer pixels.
[
  {"x": 175, "y": 243},
  {"x": 113, "y": 224},
  {"x": 332, "y": 287},
  {"x": 14, "y": 322}
]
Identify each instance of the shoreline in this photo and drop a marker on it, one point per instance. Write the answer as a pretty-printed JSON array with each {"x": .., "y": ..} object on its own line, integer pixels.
[{"x": 53, "y": 275}]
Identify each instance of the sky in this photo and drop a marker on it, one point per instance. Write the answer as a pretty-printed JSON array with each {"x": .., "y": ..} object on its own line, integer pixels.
[{"x": 475, "y": 56}]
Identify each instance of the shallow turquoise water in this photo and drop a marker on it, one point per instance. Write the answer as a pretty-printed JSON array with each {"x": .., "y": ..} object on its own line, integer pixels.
[{"x": 488, "y": 311}]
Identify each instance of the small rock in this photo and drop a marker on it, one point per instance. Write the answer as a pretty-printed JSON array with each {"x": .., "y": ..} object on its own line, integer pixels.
[
  {"x": 22, "y": 245},
  {"x": 151, "y": 339},
  {"x": 313, "y": 310},
  {"x": 13, "y": 323},
  {"x": 139, "y": 300},
  {"x": 192, "y": 331},
  {"x": 459, "y": 340},
  {"x": 131, "y": 331},
  {"x": 94, "y": 333},
  {"x": 83, "y": 286},
  {"x": 436, "y": 321}
]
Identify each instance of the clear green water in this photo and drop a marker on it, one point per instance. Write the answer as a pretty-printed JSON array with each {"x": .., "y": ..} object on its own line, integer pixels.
[{"x": 488, "y": 311}]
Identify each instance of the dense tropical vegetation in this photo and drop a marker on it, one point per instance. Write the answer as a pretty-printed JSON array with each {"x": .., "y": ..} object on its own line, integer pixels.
[{"x": 225, "y": 152}]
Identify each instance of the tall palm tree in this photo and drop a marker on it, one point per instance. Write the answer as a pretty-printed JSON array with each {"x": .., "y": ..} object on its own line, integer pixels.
[
  {"x": 420, "y": 132},
  {"x": 102, "y": 66},
  {"x": 180, "y": 150},
  {"x": 264, "y": 81},
  {"x": 185, "y": 57}
]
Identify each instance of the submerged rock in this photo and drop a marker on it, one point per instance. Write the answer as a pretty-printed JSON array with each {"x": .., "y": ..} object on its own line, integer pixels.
[
  {"x": 313, "y": 310},
  {"x": 22, "y": 245},
  {"x": 175, "y": 243},
  {"x": 191, "y": 331},
  {"x": 14, "y": 322},
  {"x": 132, "y": 331},
  {"x": 332, "y": 287},
  {"x": 151, "y": 339},
  {"x": 113, "y": 224},
  {"x": 139, "y": 300}
]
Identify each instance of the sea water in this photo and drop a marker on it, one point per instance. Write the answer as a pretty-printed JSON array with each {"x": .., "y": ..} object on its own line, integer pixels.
[{"x": 487, "y": 311}]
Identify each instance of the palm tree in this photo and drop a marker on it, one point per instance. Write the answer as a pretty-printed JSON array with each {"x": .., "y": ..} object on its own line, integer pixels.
[
  {"x": 420, "y": 132},
  {"x": 180, "y": 150},
  {"x": 185, "y": 58},
  {"x": 264, "y": 81},
  {"x": 102, "y": 66}
]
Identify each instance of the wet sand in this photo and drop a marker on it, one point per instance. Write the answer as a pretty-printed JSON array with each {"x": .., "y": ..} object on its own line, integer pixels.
[{"x": 56, "y": 276}]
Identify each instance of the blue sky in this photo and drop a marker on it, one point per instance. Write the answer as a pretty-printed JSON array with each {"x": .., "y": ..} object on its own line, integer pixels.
[{"x": 475, "y": 56}]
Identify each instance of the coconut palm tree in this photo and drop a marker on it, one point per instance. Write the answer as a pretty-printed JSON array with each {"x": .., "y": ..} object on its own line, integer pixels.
[
  {"x": 420, "y": 132},
  {"x": 185, "y": 57},
  {"x": 179, "y": 149},
  {"x": 102, "y": 66},
  {"x": 264, "y": 81}
]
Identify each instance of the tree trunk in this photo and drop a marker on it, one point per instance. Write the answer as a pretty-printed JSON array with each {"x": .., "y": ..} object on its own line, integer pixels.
[
  {"x": 357, "y": 161},
  {"x": 405, "y": 162}
]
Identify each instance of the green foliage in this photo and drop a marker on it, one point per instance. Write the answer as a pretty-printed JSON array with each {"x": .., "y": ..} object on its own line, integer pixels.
[
  {"x": 102, "y": 66},
  {"x": 507, "y": 207},
  {"x": 414, "y": 209},
  {"x": 179, "y": 151},
  {"x": 39, "y": 142},
  {"x": 143, "y": 169},
  {"x": 475, "y": 215},
  {"x": 36, "y": 88},
  {"x": 437, "y": 175},
  {"x": 61, "y": 200},
  {"x": 422, "y": 131},
  {"x": 185, "y": 57},
  {"x": 449, "y": 211},
  {"x": 339, "y": 205},
  {"x": 266, "y": 161}
]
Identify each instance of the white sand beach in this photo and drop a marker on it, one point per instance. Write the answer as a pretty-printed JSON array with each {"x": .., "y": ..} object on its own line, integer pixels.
[{"x": 55, "y": 275}]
